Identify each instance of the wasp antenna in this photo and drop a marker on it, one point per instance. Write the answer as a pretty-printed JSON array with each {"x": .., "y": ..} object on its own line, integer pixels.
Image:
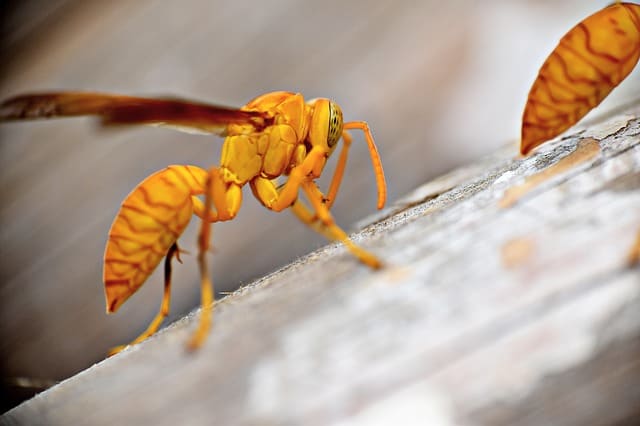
[{"x": 375, "y": 159}]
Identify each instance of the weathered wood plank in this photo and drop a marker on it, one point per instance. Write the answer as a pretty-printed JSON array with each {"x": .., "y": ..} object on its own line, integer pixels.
[{"x": 489, "y": 312}]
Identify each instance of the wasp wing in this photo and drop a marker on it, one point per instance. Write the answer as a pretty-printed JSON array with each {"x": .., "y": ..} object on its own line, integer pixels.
[{"x": 182, "y": 115}]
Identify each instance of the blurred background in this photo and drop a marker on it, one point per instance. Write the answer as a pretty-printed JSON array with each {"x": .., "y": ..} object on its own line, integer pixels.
[{"x": 440, "y": 84}]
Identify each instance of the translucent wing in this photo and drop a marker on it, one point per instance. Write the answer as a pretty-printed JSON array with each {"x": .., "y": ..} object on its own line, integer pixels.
[
  {"x": 187, "y": 116},
  {"x": 589, "y": 62}
]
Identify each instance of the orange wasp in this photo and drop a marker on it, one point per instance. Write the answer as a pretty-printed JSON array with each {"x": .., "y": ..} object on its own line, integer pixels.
[
  {"x": 276, "y": 134},
  {"x": 588, "y": 63}
]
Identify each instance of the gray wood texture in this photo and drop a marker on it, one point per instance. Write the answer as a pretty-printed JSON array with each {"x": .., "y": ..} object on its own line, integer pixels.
[{"x": 507, "y": 299}]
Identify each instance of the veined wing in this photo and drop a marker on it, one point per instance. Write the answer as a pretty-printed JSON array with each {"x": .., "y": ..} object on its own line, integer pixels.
[{"x": 182, "y": 115}]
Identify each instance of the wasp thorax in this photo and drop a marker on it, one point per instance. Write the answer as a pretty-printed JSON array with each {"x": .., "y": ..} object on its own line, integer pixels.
[{"x": 335, "y": 124}]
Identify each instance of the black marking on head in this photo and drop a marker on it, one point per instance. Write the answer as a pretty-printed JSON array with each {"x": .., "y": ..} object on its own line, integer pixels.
[{"x": 335, "y": 125}]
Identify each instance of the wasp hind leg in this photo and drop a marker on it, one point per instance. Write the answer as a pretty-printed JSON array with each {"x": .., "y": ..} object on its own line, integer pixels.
[{"x": 174, "y": 251}]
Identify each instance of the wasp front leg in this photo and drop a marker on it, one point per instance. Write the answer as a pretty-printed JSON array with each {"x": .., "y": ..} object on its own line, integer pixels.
[
  {"x": 278, "y": 199},
  {"x": 320, "y": 220},
  {"x": 341, "y": 165},
  {"x": 303, "y": 213},
  {"x": 338, "y": 173}
]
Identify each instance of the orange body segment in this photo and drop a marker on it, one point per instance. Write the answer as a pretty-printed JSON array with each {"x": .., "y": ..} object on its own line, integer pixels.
[
  {"x": 589, "y": 62},
  {"x": 149, "y": 222}
]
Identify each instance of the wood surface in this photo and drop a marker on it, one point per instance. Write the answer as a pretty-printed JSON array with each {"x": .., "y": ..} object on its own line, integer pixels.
[{"x": 507, "y": 299}]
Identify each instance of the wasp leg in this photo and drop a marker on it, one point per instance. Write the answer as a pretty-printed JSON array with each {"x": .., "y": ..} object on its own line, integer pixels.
[
  {"x": 633, "y": 258},
  {"x": 306, "y": 216},
  {"x": 322, "y": 222},
  {"x": 278, "y": 199},
  {"x": 303, "y": 213},
  {"x": 338, "y": 173},
  {"x": 301, "y": 176},
  {"x": 375, "y": 158},
  {"x": 226, "y": 199},
  {"x": 164, "y": 306},
  {"x": 151, "y": 219}
]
